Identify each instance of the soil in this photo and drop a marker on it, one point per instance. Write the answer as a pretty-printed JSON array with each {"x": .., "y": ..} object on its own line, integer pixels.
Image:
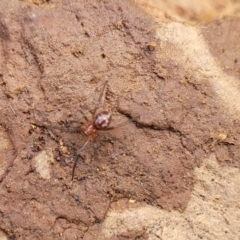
[{"x": 55, "y": 58}]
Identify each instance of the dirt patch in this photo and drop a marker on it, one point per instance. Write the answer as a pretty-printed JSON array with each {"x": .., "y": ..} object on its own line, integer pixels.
[{"x": 55, "y": 59}]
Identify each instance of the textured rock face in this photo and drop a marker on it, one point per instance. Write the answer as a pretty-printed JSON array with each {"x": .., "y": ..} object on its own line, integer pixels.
[
  {"x": 211, "y": 213},
  {"x": 171, "y": 174}
]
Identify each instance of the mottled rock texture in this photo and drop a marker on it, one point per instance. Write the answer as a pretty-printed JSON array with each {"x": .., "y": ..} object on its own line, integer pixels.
[{"x": 172, "y": 173}]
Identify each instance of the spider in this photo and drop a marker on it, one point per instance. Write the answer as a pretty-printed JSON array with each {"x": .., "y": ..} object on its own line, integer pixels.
[{"x": 100, "y": 122}]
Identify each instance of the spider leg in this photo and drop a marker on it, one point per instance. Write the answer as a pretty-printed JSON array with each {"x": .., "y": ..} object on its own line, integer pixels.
[
  {"x": 76, "y": 160},
  {"x": 100, "y": 98},
  {"x": 67, "y": 129},
  {"x": 121, "y": 124},
  {"x": 76, "y": 121}
]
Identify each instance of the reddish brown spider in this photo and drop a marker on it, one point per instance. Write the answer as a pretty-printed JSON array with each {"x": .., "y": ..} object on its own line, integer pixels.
[{"x": 100, "y": 122}]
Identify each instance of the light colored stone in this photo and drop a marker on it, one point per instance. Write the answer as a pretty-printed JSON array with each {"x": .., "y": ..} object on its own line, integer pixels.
[
  {"x": 189, "y": 10},
  {"x": 43, "y": 162},
  {"x": 3, "y": 236}
]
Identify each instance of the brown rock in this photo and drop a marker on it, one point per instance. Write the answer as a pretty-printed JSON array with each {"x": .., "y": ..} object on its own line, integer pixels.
[{"x": 55, "y": 58}]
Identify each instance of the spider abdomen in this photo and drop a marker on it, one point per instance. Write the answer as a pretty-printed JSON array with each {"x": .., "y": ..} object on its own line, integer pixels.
[{"x": 102, "y": 120}]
